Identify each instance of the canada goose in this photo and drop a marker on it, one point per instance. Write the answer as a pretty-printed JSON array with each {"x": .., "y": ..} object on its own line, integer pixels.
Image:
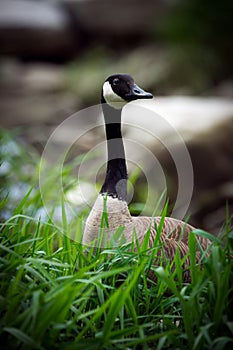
[{"x": 118, "y": 90}]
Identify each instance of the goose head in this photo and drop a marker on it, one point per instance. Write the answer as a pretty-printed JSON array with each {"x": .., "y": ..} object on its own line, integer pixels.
[{"x": 119, "y": 89}]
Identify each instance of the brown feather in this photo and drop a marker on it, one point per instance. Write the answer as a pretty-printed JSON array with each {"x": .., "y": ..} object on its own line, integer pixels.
[{"x": 174, "y": 233}]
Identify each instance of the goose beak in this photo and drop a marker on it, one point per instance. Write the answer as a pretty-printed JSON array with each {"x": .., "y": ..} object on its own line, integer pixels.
[{"x": 137, "y": 93}]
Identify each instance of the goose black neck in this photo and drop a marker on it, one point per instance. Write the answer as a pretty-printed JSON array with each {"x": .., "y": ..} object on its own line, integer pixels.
[{"x": 115, "y": 183}]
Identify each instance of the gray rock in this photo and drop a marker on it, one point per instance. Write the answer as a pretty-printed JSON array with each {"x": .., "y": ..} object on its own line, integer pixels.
[
  {"x": 35, "y": 29},
  {"x": 57, "y": 30},
  {"x": 115, "y": 19}
]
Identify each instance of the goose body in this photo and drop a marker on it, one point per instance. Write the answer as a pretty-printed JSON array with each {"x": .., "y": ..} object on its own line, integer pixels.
[{"x": 118, "y": 90}]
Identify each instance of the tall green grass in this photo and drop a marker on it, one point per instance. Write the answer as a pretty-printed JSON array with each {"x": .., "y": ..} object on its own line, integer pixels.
[{"x": 54, "y": 294}]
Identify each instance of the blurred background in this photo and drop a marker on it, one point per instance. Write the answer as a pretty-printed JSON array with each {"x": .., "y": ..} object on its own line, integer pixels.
[{"x": 55, "y": 55}]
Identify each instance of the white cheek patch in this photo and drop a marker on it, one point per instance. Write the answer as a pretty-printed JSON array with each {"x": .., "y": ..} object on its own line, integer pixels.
[{"x": 111, "y": 97}]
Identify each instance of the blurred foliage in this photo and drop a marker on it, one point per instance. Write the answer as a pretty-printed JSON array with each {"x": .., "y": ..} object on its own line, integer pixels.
[
  {"x": 17, "y": 171},
  {"x": 201, "y": 31},
  {"x": 24, "y": 173}
]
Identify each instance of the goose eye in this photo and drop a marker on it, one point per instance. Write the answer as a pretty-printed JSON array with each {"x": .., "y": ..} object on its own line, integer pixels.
[{"x": 116, "y": 81}]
